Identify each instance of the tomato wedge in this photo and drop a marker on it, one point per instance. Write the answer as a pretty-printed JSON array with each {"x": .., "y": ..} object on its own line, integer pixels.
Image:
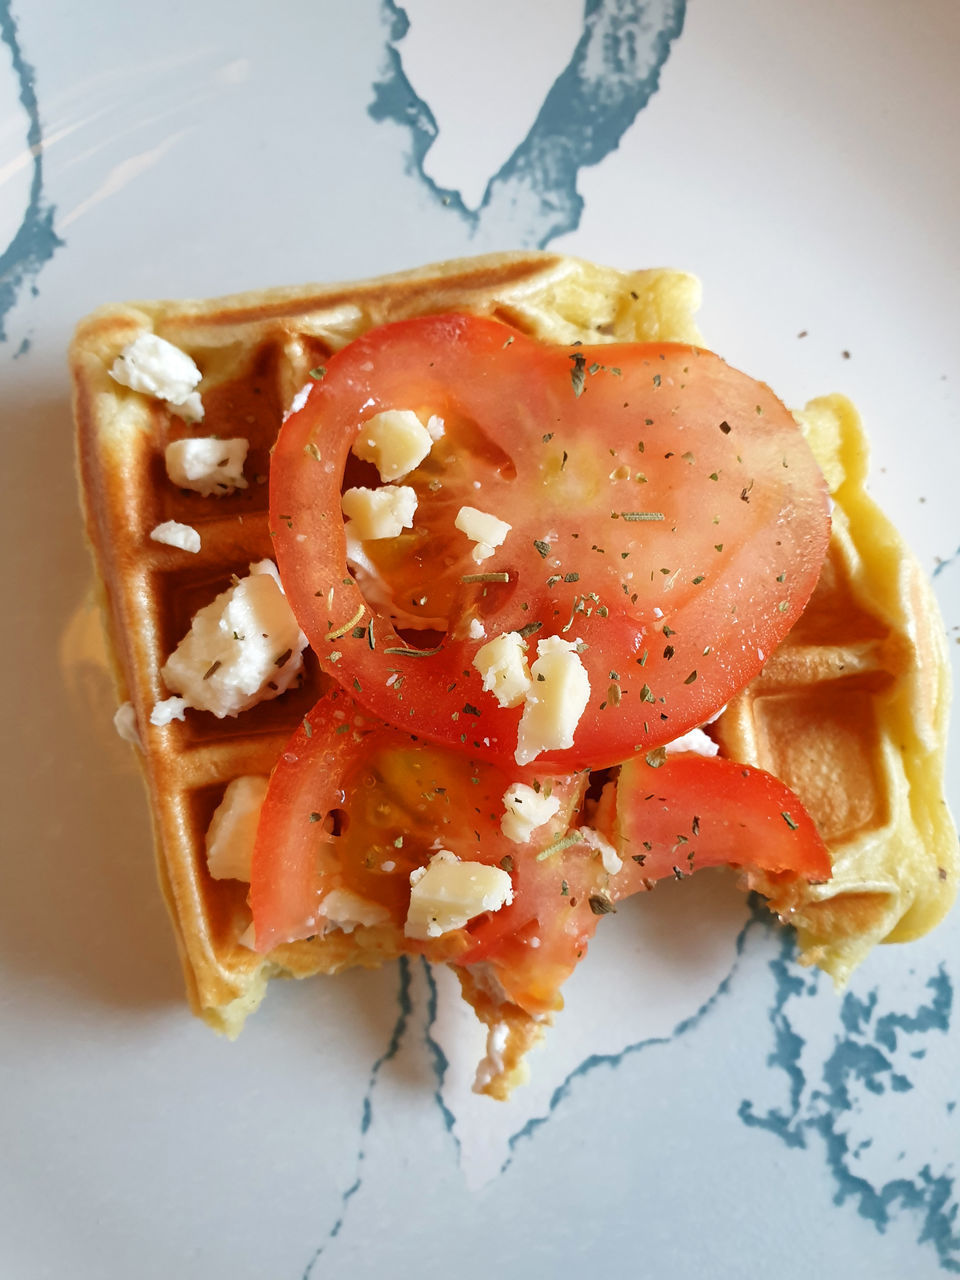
[
  {"x": 694, "y": 812},
  {"x": 665, "y": 511}
]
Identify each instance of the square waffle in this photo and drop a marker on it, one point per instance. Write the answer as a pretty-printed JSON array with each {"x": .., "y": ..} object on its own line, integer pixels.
[{"x": 850, "y": 712}]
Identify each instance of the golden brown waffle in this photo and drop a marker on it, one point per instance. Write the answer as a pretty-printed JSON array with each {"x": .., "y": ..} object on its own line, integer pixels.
[
  {"x": 255, "y": 351},
  {"x": 850, "y": 711}
]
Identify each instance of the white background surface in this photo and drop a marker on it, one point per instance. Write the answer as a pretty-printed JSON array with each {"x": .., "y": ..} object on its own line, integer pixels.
[{"x": 802, "y": 161}]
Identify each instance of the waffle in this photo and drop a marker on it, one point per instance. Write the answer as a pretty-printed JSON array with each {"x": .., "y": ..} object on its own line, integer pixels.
[
  {"x": 858, "y": 691},
  {"x": 851, "y": 712},
  {"x": 255, "y": 351}
]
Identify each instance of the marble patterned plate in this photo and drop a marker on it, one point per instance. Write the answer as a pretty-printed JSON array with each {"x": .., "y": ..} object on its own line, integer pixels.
[{"x": 704, "y": 1106}]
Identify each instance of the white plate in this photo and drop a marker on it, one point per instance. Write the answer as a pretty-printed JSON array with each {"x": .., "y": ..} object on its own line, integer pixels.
[{"x": 703, "y": 1106}]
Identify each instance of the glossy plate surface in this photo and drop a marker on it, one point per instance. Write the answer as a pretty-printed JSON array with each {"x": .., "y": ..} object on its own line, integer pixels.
[{"x": 701, "y": 1095}]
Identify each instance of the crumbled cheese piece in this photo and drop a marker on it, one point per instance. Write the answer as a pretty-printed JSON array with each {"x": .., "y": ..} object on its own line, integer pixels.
[
  {"x": 345, "y": 910},
  {"x": 299, "y": 400},
  {"x": 503, "y": 664},
  {"x": 609, "y": 857},
  {"x": 207, "y": 465},
  {"x": 243, "y": 648},
  {"x": 555, "y": 702},
  {"x": 487, "y": 531},
  {"x": 174, "y": 534},
  {"x": 156, "y": 367},
  {"x": 448, "y": 893},
  {"x": 125, "y": 723},
  {"x": 476, "y": 630},
  {"x": 395, "y": 441},
  {"x": 379, "y": 513},
  {"x": 526, "y": 810},
  {"x": 492, "y": 1065},
  {"x": 435, "y": 428},
  {"x": 191, "y": 409},
  {"x": 696, "y": 740},
  {"x": 233, "y": 828},
  {"x": 167, "y": 710}
]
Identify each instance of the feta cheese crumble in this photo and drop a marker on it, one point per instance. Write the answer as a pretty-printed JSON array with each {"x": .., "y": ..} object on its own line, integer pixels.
[
  {"x": 395, "y": 441},
  {"x": 157, "y": 368},
  {"x": 379, "y": 513},
  {"x": 696, "y": 740},
  {"x": 173, "y": 534},
  {"x": 299, "y": 400},
  {"x": 345, "y": 910},
  {"x": 525, "y": 811},
  {"x": 243, "y": 648},
  {"x": 557, "y": 697},
  {"x": 487, "y": 531},
  {"x": 448, "y": 893},
  {"x": 502, "y": 662},
  {"x": 167, "y": 710},
  {"x": 125, "y": 723},
  {"x": 207, "y": 465},
  {"x": 233, "y": 828},
  {"x": 611, "y": 860}
]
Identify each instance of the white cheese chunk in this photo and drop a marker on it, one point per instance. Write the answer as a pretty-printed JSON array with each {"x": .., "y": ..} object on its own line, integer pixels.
[
  {"x": 167, "y": 710},
  {"x": 696, "y": 740},
  {"x": 207, "y": 465},
  {"x": 476, "y": 630},
  {"x": 487, "y": 531},
  {"x": 174, "y": 534},
  {"x": 448, "y": 893},
  {"x": 395, "y": 441},
  {"x": 299, "y": 400},
  {"x": 233, "y": 828},
  {"x": 157, "y": 368},
  {"x": 502, "y": 662},
  {"x": 345, "y": 910},
  {"x": 525, "y": 811},
  {"x": 191, "y": 409},
  {"x": 243, "y": 648},
  {"x": 435, "y": 428},
  {"x": 125, "y": 723},
  {"x": 379, "y": 513},
  {"x": 611, "y": 860},
  {"x": 557, "y": 697}
]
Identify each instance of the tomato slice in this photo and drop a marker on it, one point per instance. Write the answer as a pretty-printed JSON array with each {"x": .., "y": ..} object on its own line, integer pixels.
[
  {"x": 357, "y": 805},
  {"x": 693, "y": 812},
  {"x": 664, "y": 510}
]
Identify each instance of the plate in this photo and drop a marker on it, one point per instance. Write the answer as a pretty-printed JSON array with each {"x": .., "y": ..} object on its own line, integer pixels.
[{"x": 703, "y": 1105}]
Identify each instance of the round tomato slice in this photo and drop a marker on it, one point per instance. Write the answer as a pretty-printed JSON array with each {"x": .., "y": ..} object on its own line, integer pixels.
[
  {"x": 693, "y": 812},
  {"x": 664, "y": 512},
  {"x": 355, "y": 805}
]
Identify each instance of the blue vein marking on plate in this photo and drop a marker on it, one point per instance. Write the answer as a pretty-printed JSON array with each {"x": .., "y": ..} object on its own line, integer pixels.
[
  {"x": 438, "y": 1059},
  {"x": 35, "y": 241},
  {"x": 946, "y": 564},
  {"x": 860, "y": 1060},
  {"x": 405, "y": 1003},
  {"x": 759, "y": 917},
  {"x": 612, "y": 75}
]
